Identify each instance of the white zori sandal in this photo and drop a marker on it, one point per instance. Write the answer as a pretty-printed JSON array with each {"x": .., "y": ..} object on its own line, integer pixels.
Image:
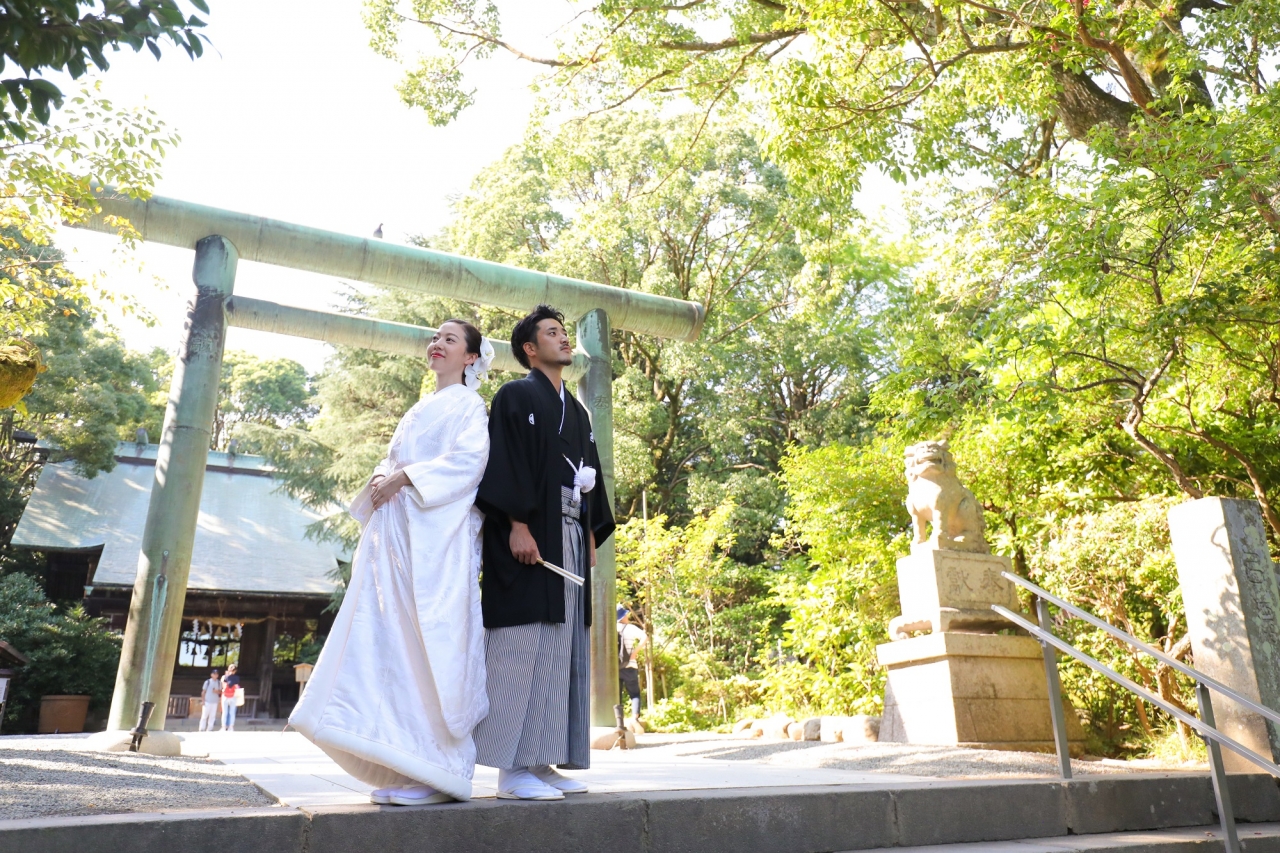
[
  {"x": 548, "y": 775},
  {"x": 410, "y": 795},
  {"x": 520, "y": 784}
]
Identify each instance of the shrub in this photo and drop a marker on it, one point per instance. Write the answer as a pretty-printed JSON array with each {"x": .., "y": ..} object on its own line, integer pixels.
[
  {"x": 846, "y": 527},
  {"x": 1118, "y": 564},
  {"x": 678, "y": 714},
  {"x": 70, "y": 652}
]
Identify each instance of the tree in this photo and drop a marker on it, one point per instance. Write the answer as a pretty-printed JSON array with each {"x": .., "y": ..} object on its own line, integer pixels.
[
  {"x": 93, "y": 393},
  {"x": 1118, "y": 564},
  {"x": 671, "y": 207},
  {"x": 616, "y": 201},
  {"x": 846, "y": 527},
  {"x": 915, "y": 87},
  {"x": 40, "y": 37},
  {"x": 1100, "y": 179},
  {"x": 50, "y": 165},
  {"x": 48, "y": 177},
  {"x": 267, "y": 392}
]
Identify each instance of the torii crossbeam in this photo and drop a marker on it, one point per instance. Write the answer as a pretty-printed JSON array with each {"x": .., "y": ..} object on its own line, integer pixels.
[{"x": 221, "y": 239}]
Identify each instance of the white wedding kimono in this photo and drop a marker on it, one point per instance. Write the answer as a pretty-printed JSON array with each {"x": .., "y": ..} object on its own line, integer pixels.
[{"x": 400, "y": 683}]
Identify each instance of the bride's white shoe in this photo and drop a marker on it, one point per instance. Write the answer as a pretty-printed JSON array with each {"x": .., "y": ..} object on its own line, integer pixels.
[
  {"x": 548, "y": 774},
  {"x": 520, "y": 784},
  {"x": 381, "y": 797},
  {"x": 417, "y": 795}
]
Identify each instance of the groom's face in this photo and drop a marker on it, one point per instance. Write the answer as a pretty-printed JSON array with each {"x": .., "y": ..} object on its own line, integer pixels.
[{"x": 550, "y": 345}]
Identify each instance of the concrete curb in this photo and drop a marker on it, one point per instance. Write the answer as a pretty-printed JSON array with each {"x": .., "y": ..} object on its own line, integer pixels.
[
  {"x": 1254, "y": 838},
  {"x": 211, "y": 831},
  {"x": 809, "y": 819}
]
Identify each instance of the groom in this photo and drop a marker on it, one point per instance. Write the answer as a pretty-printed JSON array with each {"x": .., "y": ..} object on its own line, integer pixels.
[{"x": 541, "y": 503}]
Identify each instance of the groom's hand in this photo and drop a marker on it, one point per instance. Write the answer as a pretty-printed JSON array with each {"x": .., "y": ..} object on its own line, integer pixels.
[{"x": 523, "y": 548}]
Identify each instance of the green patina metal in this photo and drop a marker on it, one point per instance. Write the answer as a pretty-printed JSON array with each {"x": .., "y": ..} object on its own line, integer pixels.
[
  {"x": 346, "y": 330},
  {"x": 256, "y": 238},
  {"x": 164, "y": 562}
]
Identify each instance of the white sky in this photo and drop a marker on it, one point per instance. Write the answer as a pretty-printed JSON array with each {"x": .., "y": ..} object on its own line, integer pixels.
[{"x": 290, "y": 114}]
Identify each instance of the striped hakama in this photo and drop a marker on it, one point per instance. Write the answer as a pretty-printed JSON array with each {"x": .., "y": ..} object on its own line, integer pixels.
[{"x": 539, "y": 679}]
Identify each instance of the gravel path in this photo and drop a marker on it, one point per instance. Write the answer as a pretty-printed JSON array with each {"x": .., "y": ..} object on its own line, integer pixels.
[
  {"x": 915, "y": 760},
  {"x": 51, "y": 777}
]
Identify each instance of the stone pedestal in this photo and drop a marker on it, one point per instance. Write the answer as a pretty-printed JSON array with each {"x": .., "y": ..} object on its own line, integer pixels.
[
  {"x": 944, "y": 591},
  {"x": 984, "y": 691},
  {"x": 1232, "y": 601}
]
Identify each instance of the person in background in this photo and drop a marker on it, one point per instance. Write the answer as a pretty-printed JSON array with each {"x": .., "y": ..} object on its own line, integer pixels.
[
  {"x": 210, "y": 693},
  {"x": 630, "y": 639},
  {"x": 230, "y": 684}
]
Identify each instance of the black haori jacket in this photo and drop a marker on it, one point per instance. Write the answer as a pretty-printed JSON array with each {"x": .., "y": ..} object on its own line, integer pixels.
[{"x": 527, "y": 450}]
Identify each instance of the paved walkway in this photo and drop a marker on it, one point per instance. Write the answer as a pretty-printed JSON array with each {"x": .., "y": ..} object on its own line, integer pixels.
[
  {"x": 297, "y": 772},
  {"x": 301, "y": 775},
  {"x": 54, "y": 774}
]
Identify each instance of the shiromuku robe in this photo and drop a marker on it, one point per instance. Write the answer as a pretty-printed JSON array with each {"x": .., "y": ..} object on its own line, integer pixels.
[
  {"x": 537, "y": 653},
  {"x": 400, "y": 683}
]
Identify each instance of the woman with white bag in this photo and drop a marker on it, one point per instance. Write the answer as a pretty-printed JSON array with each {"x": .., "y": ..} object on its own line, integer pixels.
[{"x": 400, "y": 683}]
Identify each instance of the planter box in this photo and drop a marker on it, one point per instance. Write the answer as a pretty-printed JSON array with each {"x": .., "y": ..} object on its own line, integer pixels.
[{"x": 64, "y": 714}]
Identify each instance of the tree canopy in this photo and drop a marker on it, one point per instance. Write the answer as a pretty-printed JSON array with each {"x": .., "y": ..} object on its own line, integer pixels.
[{"x": 69, "y": 36}]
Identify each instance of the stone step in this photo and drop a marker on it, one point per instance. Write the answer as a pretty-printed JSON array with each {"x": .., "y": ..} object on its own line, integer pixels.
[
  {"x": 810, "y": 819},
  {"x": 1254, "y": 838}
]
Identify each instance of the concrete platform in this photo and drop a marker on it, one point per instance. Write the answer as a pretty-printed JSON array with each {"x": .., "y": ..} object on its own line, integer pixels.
[
  {"x": 691, "y": 794},
  {"x": 299, "y": 774},
  {"x": 1041, "y": 816}
]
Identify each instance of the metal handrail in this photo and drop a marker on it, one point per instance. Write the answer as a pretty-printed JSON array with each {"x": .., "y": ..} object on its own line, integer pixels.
[
  {"x": 1204, "y": 725},
  {"x": 1172, "y": 662},
  {"x": 1169, "y": 708}
]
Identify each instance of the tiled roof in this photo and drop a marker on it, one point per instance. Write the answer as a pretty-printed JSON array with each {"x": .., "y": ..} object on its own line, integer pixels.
[{"x": 249, "y": 537}]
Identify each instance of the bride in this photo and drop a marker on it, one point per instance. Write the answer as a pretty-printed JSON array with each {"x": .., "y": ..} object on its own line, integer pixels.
[{"x": 400, "y": 683}]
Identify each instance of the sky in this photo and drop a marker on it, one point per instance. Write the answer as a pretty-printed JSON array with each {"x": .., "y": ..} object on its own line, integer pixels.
[{"x": 291, "y": 115}]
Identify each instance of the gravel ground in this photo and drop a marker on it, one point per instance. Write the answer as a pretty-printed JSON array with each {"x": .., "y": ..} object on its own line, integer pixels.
[
  {"x": 51, "y": 777},
  {"x": 908, "y": 759}
]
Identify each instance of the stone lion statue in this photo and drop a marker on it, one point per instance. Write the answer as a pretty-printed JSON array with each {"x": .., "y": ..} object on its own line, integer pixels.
[{"x": 935, "y": 495}]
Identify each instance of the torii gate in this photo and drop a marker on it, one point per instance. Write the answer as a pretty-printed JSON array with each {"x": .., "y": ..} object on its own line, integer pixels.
[{"x": 220, "y": 239}]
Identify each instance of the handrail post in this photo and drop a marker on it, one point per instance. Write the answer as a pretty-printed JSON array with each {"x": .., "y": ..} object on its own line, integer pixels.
[
  {"x": 1219, "y": 773},
  {"x": 1056, "y": 712}
]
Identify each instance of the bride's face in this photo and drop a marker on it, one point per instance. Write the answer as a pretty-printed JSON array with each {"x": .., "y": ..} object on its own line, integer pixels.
[{"x": 447, "y": 352}]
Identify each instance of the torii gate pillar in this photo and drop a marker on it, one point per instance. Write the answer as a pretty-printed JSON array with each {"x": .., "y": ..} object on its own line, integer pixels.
[
  {"x": 164, "y": 564},
  {"x": 595, "y": 390}
]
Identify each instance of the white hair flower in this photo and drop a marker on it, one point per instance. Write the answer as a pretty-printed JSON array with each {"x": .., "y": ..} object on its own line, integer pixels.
[{"x": 475, "y": 373}]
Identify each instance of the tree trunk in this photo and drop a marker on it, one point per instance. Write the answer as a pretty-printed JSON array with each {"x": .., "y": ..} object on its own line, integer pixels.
[{"x": 1082, "y": 105}]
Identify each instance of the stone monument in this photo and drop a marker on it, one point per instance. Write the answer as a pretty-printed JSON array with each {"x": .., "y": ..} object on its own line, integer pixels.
[
  {"x": 956, "y": 681},
  {"x": 1232, "y": 601}
]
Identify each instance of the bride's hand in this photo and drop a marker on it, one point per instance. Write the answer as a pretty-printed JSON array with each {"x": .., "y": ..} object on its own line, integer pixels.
[{"x": 385, "y": 488}]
